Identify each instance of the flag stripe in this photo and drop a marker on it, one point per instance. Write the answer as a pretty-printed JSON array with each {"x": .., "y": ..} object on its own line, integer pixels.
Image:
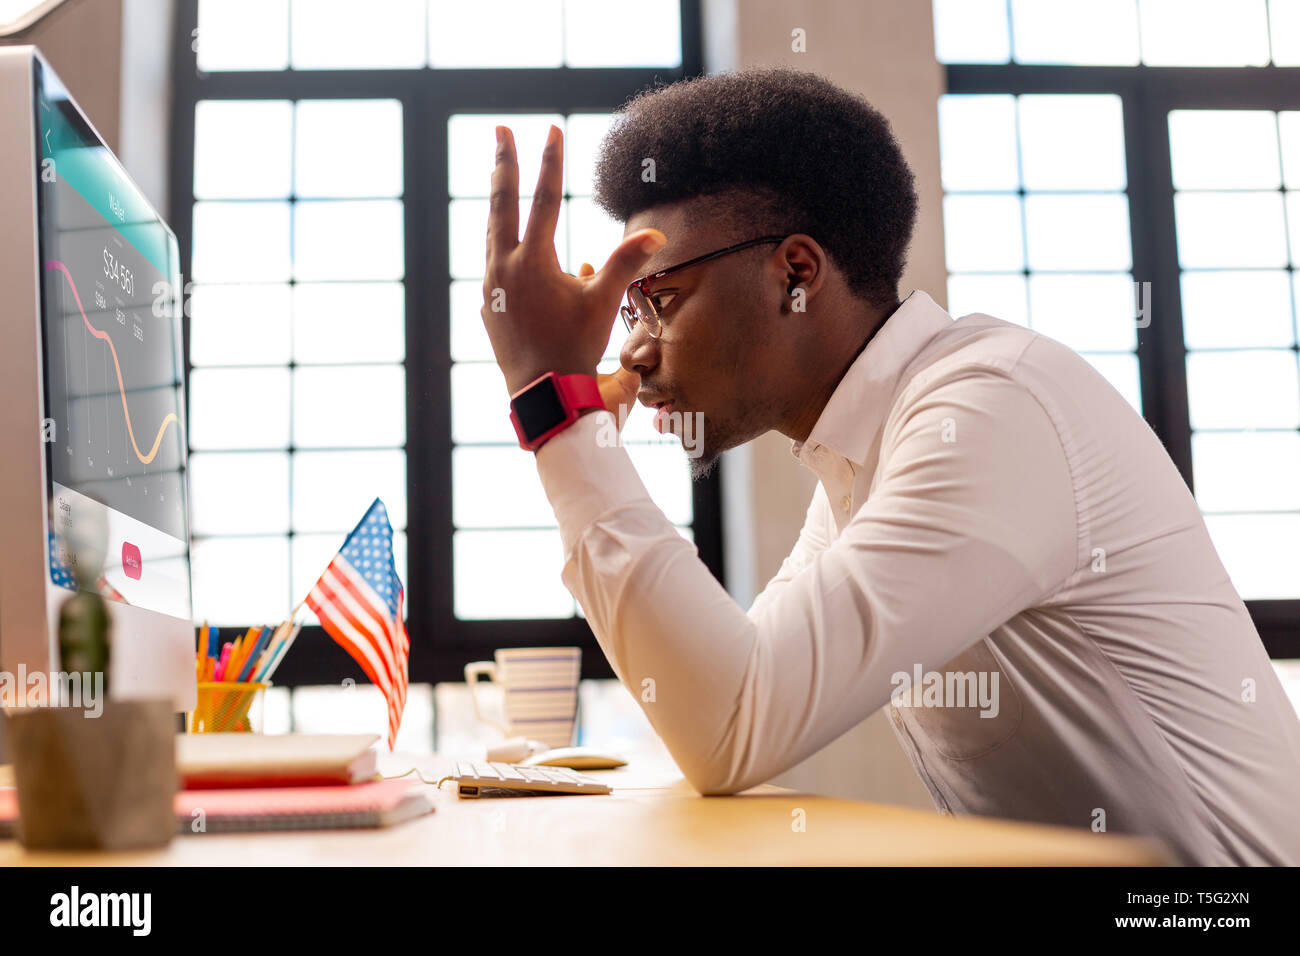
[
  {"x": 351, "y": 603},
  {"x": 353, "y": 642},
  {"x": 370, "y": 602}
]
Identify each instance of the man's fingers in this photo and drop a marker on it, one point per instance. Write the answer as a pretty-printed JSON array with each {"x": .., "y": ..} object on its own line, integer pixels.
[
  {"x": 618, "y": 388},
  {"x": 503, "y": 206},
  {"x": 550, "y": 191},
  {"x": 627, "y": 262},
  {"x": 586, "y": 269}
]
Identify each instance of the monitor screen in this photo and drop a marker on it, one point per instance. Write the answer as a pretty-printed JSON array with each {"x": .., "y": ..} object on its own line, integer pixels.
[{"x": 113, "y": 369}]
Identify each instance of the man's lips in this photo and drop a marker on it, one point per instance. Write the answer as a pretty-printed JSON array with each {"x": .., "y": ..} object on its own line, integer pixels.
[{"x": 663, "y": 406}]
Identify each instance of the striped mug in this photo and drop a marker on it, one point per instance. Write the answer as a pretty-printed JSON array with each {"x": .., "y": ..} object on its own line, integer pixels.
[{"x": 539, "y": 689}]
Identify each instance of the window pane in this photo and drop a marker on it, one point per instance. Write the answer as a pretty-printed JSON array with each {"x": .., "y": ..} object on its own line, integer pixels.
[
  {"x": 1243, "y": 389},
  {"x": 333, "y": 489},
  {"x": 349, "y": 322},
  {"x": 471, "y": 150},
  {"x": 1072, "y": 142},
  {"x": 241, "y": 580},
  {"x": 1230, "y": 230},
  {"x": 1260, "y": 552},
  {"x": 470, "y": 34},
  {"x": 530, "y": 560},
  {"x": 1122, "y": 373},
  {"x": 1001, "y": 296},
  {"x": 617, "y": 336},
  {"x": 239, "y": 408},
  {"x": 348, "y": 148},
  {"x": 1289, "y": 129},
  {"x": 1224, "y": 149},
  {"x": 348, "y": 240},
  {"x": 239, "y": 325},
  {"x": 1078, "y": 232},
  {"x": 358, "y": 34},
  {"x": 349, "y": 406},
  {"x": 241, "y": 242},
  {"x": 1247, "y": 471},
  {"x": 596, "y": 33},
  {"x": 593, "y": 235},
  {"x": 242, "y": 149},
  {"x": 1204, "y": 33},
  {"x": 243, "y": 35},
  {"x": 239, "y": 493},
  {"x": 362, "y": 709},
  {"x": 1284, "y": 24},
  {"x": 1085, "y": 312},
  {"x": 983, "y": 233},
  {"x": 480, "y": 405},
  {"x": 665, "y": 475},
  {"x": 582, "y": 138},
  {"x": 1236, "y": 309},
  {"x": 1293, "y": 220},
  {"x": 971, "y": 31},
  {"x": 469, "y": 339},
  {"x": 498, "y": 488},
  {"x": 467, "y": 227},
  {"x": 1067, "y": 31},
  {"x": 977, "y": 138}
]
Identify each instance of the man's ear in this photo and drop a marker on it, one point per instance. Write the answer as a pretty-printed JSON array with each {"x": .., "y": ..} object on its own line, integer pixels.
[{"x": 805, "y": 263}]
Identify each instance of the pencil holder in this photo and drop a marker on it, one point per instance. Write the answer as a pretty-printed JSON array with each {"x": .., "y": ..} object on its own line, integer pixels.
[{"x": 226, "y": 706}]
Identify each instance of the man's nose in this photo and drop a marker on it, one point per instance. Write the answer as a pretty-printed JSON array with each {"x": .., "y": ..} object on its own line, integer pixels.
[{"x": 640, "y": 353}]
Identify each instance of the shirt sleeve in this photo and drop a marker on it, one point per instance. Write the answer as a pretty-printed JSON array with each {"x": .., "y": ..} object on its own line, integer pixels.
[{"x": 972, "y": 521}]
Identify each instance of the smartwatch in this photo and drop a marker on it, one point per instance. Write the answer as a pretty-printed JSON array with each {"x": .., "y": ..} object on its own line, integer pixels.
[{"x": 547, "y": 405}]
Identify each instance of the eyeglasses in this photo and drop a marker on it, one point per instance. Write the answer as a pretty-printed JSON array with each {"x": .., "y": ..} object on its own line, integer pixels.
[{"x": 639, "y": 310}]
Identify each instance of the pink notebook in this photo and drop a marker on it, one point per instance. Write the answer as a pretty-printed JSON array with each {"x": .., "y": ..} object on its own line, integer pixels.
[{"x": 379, "y": 803}]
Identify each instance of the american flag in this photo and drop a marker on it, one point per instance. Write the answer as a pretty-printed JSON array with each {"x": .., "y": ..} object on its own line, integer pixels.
[
  {"x": 359, "y": 602},
  {"x": 62, "y": 575}
]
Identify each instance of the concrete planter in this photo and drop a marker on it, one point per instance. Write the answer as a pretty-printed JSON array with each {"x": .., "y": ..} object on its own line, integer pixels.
[{"x": 95, "y": 783}]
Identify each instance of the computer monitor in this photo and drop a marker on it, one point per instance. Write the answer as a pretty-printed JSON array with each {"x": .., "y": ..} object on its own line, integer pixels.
[{"x": 92, "y": 408}]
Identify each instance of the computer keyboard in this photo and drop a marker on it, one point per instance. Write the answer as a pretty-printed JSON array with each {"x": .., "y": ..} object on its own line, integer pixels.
[{"x": 478, "y": 779}]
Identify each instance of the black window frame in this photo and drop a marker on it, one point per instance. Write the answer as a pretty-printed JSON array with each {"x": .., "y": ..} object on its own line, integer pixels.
[
  {"x": 441, "y": 644},
  {"x": 1148, "y": 93}
]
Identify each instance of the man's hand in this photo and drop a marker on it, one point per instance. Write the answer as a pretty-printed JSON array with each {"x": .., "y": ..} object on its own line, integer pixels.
[
  {"x": 539, "y": 318},
  {"x": 618, "y": 390}
]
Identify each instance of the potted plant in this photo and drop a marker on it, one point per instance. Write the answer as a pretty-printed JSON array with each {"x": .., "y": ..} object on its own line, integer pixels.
[{"x": 91, "y": 772}]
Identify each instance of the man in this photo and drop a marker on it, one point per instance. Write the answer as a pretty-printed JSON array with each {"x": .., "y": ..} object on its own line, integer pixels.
[{"x": 988, "y": 506}]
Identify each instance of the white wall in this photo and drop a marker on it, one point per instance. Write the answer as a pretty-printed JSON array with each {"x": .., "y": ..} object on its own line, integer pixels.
[{"x": 884, "y": 50}]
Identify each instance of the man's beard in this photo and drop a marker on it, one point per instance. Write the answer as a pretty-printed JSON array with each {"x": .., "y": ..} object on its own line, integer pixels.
[{"x": 703, "y": 466}]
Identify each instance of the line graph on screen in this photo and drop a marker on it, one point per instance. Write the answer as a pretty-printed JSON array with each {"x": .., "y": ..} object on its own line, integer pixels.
[{"x": 169, "y": 419}]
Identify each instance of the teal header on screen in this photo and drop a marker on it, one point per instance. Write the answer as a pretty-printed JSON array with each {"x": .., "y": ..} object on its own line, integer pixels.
[{"x": 88, "y": 167}]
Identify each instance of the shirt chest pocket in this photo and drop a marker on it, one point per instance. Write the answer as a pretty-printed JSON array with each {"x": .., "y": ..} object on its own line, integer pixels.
[{"x": 964, "y": 710}]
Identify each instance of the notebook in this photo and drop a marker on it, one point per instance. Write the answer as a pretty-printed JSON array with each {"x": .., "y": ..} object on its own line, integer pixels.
[
  {"x": 379, "y": 803},
  {"x": 275, "y": 760}
]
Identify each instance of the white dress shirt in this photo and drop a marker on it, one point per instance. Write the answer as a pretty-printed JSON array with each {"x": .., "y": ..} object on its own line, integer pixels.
[{"x": 988, "y": 505}]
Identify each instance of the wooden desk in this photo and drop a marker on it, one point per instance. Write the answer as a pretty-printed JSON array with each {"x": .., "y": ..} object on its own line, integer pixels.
[{"x": 653, "y": 818}]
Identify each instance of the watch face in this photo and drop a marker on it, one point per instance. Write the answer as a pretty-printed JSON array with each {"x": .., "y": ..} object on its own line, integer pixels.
[{"x": 539, "y": 409}]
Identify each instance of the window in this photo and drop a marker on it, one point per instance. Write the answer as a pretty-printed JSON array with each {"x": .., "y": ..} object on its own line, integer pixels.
[
  {"x": 1160, "y": 142},
  {"x": 1036, "y": 221},
  {"x": 331, "y": 167}
]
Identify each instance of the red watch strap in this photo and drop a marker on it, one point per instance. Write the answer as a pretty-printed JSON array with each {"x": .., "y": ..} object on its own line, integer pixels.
[{"x": 579, "y": 391}]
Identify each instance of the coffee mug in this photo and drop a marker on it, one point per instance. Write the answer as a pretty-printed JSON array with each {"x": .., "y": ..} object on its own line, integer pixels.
[{"x": 540, "y": 690}]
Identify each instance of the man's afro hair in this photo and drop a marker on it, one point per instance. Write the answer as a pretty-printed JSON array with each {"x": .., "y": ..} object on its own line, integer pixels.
[{"x": 783, "y": 151}]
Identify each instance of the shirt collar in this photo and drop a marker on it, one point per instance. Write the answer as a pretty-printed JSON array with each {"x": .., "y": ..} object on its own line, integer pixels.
[{"x": 857, "y": 408}]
